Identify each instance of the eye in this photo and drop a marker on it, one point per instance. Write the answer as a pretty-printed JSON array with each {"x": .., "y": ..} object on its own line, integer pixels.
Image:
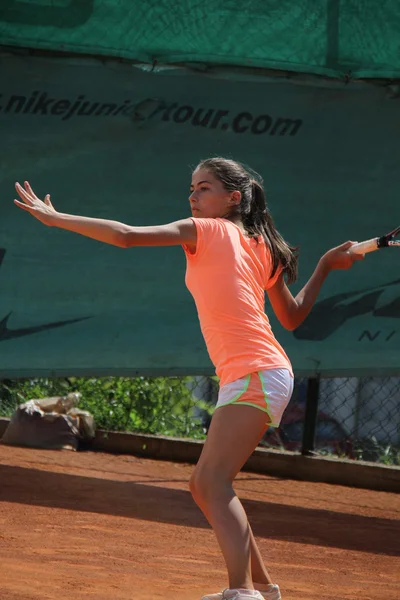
[{"x": 204, "y": 189}]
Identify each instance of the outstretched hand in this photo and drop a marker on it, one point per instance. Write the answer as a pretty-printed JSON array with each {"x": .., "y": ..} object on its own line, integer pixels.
[
  {"x": 44, "y": 211},
  {"x": 341, "y": 257}
]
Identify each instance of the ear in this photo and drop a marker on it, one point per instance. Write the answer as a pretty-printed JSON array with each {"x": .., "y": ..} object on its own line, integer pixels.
[{"x": 235, "y": 198}]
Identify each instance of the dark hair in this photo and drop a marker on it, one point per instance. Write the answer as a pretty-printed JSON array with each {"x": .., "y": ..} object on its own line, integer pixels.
[{"x": 255, "y": 215}]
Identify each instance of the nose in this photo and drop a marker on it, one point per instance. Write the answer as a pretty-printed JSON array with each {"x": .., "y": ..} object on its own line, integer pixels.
[{"x": 193, "y": 197}]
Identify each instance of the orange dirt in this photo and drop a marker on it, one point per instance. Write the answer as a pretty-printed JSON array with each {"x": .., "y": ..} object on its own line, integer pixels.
[{"x": 88, "y": 525}]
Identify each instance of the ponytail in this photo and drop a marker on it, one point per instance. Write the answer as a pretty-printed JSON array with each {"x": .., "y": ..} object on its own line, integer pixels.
[
  {"x": 253, "y": 210},
  {"x": 257, "y": 220}
]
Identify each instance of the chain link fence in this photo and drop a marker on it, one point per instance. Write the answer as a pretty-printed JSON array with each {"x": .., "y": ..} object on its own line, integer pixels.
[
  {"x": 357, "y": 418},
  {"x": 368, "y": 410}
]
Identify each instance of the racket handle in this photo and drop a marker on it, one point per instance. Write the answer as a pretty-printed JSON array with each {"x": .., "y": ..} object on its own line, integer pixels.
[{"x": 364, "y": 247}]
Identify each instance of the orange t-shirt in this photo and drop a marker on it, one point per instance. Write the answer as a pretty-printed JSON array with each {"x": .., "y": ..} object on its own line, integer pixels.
[{"x": 227, "y": 276}]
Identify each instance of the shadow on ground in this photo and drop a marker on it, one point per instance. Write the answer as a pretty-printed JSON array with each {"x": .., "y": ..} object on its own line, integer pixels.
[{"x": 166, "y": 505}]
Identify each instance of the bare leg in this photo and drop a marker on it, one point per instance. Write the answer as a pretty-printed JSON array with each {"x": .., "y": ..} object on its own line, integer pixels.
[
  {"x": 259, "y": 573},
  {"x": 234, "y": 434}
]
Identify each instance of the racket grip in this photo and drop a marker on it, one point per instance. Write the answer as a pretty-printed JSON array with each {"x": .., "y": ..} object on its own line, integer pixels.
[{"x": 364, "y": 247}]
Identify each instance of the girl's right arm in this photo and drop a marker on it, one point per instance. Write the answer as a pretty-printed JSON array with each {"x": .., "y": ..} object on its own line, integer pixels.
[{"x": 104, "y": 230}]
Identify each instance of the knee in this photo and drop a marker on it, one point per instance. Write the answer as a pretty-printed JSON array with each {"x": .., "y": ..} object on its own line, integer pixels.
[
  {"x": 206, "y": 483},
  {"x": 196, "y": 485},
  {"x": 192, "y": 484}
]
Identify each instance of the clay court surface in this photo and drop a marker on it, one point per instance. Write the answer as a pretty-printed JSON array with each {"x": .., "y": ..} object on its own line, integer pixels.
[{"x": 107, "y": 527}]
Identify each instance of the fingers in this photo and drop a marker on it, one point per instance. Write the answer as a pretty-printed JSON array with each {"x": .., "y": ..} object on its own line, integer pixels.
[
  {"x": 28, "y": 195},
  {"x": 48, "y": 202},
  {"x": 23, "y": 194},
  {"x": 354, "y": 255},
  {"x": 29, "y": 189},
  {"x": 22, "y": 205},
  {"x": 346, "y": 245}
]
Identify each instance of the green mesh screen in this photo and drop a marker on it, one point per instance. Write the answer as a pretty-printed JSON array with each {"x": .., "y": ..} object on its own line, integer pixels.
[
  {"x": 110, "y": 141},
  {"x": 331, "y": 37}
]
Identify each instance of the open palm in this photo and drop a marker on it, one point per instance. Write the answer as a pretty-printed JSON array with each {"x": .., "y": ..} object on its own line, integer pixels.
[{"x": 44, "y": 211}]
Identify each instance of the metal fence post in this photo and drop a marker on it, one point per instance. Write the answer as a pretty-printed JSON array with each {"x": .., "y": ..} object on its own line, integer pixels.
[{"x": 310, "y": 418}]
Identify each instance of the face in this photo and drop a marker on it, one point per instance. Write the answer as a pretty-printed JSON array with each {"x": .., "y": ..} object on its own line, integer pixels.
[{"x": 208, "y": 197}]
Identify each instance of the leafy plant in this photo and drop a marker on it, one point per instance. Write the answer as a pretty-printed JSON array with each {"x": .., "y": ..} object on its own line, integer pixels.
[{"x": 155, "y": 405}]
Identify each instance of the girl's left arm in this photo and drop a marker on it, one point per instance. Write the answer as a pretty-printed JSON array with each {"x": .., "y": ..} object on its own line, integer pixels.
[
  {"x": 292, "y": 311},
  {"x": 103, "y": 230}
]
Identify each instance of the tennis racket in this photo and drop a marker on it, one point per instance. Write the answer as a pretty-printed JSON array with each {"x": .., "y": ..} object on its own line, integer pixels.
[{"x": 376, "y": 243}]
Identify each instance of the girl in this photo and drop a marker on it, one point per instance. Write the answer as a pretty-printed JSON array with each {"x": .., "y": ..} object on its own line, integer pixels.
[{"x": 233, "y": 254}]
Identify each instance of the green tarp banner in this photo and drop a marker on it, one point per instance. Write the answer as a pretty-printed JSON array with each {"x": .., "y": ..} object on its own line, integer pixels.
[
  {"x": 337, "y": 38},
  {"x": 114, "y": 142}
]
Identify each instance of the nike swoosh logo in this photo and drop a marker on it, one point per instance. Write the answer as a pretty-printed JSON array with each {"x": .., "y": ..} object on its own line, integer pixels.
[{"x": 8, "y": 334}]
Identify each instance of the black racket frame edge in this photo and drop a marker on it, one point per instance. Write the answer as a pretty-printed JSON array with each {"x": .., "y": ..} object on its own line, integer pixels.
[{"x": 383, "y": 241}]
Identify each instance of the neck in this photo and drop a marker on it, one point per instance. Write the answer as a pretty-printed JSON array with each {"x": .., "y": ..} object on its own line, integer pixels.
[{"x": 236, "y": 220}]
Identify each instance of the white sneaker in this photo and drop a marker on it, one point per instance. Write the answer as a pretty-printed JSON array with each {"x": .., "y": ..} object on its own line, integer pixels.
[
  {"x": 236, "y": 594},
  {"x": 272, "y": 593}
]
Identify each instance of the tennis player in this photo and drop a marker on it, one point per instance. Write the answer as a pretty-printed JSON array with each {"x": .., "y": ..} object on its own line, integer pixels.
[{"x": 234, "y": 253}]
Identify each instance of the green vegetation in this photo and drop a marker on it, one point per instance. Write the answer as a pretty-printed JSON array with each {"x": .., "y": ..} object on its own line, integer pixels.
[
  {"x": 154, "y": 405},
  {"x": 370, "y": 449}
]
